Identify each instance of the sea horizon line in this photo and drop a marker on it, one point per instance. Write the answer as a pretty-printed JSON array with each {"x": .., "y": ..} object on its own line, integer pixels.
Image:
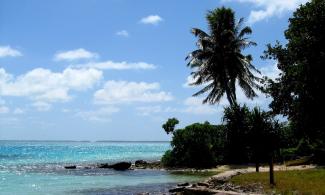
[{"x": 54, "y": 140}]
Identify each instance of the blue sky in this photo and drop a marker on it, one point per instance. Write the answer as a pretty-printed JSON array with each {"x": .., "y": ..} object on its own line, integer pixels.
[{"x": 115, "y": 69}]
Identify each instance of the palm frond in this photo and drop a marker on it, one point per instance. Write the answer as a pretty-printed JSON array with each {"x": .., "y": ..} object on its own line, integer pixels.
[
  {"x": 245, "y": 31},
  {"x": 199, "y": 33},
  {"x": 247, "y": 89},
  {"x": 204, "y": 90},
  {"x": 218, "y": 63},
  {"x": 239, "y": 25}
]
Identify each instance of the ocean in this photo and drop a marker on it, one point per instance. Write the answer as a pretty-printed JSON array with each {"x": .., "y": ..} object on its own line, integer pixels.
[{"x": 37, "y": 167}]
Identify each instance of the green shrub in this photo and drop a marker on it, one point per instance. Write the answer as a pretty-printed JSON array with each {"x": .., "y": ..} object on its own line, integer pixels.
[
  {"x": 167, "y": 159},
  {"x": 305, "y": 148},
  {"x": 288, "y": 153},
  {"x": 197, "y": 145}
]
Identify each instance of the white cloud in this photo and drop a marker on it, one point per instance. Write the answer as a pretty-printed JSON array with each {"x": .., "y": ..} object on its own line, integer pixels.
[
  {"x": 65, "y": 110},
  {"x": 7, "y": 51},
  {"x": 2, "y": 102},
  {"x": 128, "y": 92},
  {"x": 270, "y": 8},
  {"x": 194, "y": 106},
  {"x": 123, "y": 33},
  {"x": 18, "y": 111},
  {"x": 46, "y": 86},
  {"x": 4, "y": 109},
  {"x": 116, "y": 65},
  {"x": 76, "y": 54},
  {"x": 148, "y": 110},
  {"x": 42, "y": 106},
  {"x": 12, "y": 121},
  {"x": 271, "y": 71},
  {"x": 151, "y": 19},
  {"x": 188, "y": 82},
  {"x": 100, "y": 115}
]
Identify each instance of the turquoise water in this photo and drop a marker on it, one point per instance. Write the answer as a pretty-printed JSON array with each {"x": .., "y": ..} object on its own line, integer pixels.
[{"x": 34, "y": 167}]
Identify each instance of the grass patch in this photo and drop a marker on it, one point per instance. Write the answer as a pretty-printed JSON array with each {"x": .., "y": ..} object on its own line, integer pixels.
[
  {"x": 287, "y": 182},
  {"x": 301, "y": 161}
]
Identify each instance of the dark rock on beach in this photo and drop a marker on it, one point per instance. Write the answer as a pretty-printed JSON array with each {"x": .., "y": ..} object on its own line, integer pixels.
[
  {"x": 203, "y": 184},
  {"x": 219, "y": 184},
  {"x": 140, "y": 163},
  {"x": 120, "y": 166},
  {"x": 178, "y": 189},
  {"x": 70, "y": 167},
  {"x": 183, "y": 184},
  {"x": 104, "y": 166}
]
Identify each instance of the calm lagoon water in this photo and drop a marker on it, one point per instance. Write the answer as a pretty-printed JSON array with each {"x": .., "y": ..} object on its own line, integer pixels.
[{"x": 34, "y": 167}]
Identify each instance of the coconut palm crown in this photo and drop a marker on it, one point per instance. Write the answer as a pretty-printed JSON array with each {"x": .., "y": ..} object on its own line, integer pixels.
[{"x": 218, "y": 63}]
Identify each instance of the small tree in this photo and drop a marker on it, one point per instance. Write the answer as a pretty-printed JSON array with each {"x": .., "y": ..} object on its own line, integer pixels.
[
  {"x": 250, "y": 134},
  {"x": 170, "y": 124},
  {"x": 258, "y": 132},
  {"x": 272, "y": 143},
  {"x": 236, "y": 122}
]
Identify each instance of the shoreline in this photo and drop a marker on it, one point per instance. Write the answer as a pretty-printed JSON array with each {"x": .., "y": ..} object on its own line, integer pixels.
[
  {"x": 219, "y": 183},
  {"x": 213, "y": 181}
]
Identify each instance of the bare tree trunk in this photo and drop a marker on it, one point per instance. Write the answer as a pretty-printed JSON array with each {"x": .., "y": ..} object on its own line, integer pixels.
[
  {"x": 257, "y": 166},
  {"x": 271, "y": 170},
  {"x": 257, "y": 159}
]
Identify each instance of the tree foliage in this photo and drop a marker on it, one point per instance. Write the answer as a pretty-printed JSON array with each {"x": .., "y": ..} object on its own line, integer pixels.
[
  {"x": 251, "y": 134},
  {"x": 246, "y": 136},
  {"x": 299, "y": 92},
  {"x": 170, "y": 124},
  {"x": 218, "y": 63},
  {"x": 197, "y": 145},
  {"x": 237, "y": 125}
]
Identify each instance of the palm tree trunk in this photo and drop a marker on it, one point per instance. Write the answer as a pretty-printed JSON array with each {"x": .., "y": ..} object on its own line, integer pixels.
[
  {"x": 229, "y": 98},
  {"x": 271, "y": 170},
  {"x": 257, "y": 159}
]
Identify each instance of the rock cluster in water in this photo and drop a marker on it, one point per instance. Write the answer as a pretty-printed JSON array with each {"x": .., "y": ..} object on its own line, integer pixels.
[
  {"x": 121, "y": 166},
  {"x": 70, "y": 167}
]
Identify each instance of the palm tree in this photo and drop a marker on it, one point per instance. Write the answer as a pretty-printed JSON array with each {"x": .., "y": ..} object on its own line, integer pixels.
[
  {"x": 218, "y": 62},
  {"x": 264, "y": 132},
  {"x": 237, "y": 128},
  {"x": 259, "y": 126}
]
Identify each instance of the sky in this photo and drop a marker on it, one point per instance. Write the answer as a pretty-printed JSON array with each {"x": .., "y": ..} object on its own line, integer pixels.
[{"x": 114, "y": 69}]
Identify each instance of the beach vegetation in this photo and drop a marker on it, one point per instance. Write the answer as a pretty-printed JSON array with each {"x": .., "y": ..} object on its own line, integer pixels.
[
  {"x": 199, "y": 145},
  {"x": 254, "y": 135},
  {"x": 288, "y": 182},
  {"x": 298, "y": 92},
  {"x": 170, "y": 124}
]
